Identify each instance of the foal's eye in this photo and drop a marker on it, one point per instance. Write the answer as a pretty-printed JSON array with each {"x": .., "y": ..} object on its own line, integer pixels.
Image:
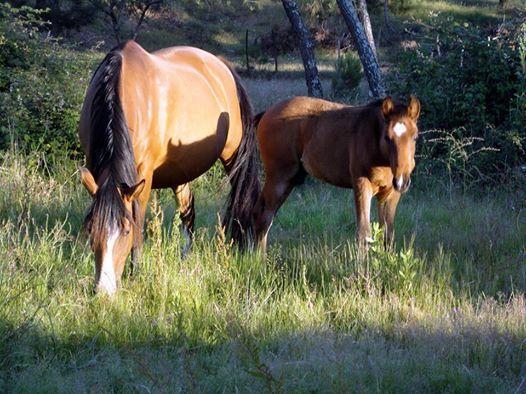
[
  {"x": 126, "y": 232},
  {"x": 415, "y": 137}
]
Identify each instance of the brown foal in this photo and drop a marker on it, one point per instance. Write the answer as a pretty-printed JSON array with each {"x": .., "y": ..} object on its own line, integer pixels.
[{"x": 369, "y": 149}]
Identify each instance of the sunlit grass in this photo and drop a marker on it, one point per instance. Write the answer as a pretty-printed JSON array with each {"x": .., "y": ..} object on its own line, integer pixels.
[
  {"x": 476, "y": 12},
  {"x": 445, "y": 311}
]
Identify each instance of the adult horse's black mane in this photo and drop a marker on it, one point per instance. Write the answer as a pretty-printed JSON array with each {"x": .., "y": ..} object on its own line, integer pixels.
[{"x": 111, "y": 155}]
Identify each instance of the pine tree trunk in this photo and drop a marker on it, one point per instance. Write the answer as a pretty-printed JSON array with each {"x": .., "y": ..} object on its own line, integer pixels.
[
  {"x": 306, "y": 46},
  {"x": 369, "y": 62},
  {"x": 386, "y": 16},
  {"x": 366, "y": 22}
]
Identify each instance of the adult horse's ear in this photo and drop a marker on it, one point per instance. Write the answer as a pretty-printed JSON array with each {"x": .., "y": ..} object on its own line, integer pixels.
[
  {"x": 88, "y": 181},
  {"x": 132, "y": 192},
  {"x": 387, "y": 106},
  {"x": 414, "y": 108}
]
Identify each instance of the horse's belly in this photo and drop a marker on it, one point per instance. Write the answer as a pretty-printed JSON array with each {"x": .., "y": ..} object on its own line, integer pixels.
[
  {"x": 188, "y": 155},
  {"x": 173, "y": 174},
  {"x": 185, "y": 163},
  {"x": 328, "y": 168}
]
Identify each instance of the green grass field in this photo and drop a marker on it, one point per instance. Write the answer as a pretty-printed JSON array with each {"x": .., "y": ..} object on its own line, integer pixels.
[{"x": 446, "y": 311}]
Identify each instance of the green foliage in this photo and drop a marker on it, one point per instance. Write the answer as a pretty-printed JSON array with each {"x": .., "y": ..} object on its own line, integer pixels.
[
  {"x": 348, "y": 73},
  {"x": 398, "y": 6},
  {"x": 63, "y": 14},
  {"x": 318, "y": 11},
  {"x": 215, "y": 10},
  {"x": 41, "y": 85},
  {"x": 472, "y": 82}
]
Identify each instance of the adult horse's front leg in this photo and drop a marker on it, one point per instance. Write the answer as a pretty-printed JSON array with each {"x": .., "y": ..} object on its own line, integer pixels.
[
  {"x": 139, "y": 221},
  {"x": 363, "y": 193},
  {"x": 387, "y": 203}
]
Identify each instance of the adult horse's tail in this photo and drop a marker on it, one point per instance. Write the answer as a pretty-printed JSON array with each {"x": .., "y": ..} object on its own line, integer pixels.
[{"x": 243, "y": 174}]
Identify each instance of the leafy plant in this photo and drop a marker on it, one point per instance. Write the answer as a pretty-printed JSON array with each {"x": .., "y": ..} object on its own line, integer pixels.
[
  {"x": 348, "y": 73},
  {"x": 471, "y": 84},
  {"x": 41, "y": 85}
]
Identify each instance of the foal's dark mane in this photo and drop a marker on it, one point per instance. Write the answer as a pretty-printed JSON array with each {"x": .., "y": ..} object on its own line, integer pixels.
[{"x": 110, "y": 150}]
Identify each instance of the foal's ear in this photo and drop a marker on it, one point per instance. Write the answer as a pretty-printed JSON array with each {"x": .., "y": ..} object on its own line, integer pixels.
[
  {"x": 413, "y": 108},
  {"x": 88, "y": 181},
  {"x": 387, "y": 106},
  {"x": 132, "y": 192}
]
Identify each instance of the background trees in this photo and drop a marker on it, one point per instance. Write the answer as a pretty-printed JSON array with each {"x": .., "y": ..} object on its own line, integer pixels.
[
  {"x": 119, "y": 11},
  {"x": 471, "y": 88}
]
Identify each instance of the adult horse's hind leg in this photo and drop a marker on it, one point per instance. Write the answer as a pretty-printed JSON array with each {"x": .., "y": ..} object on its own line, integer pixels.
[
  {"x": 185, "y": 197},
  {"x": 275, "y": 192},
  {"x": 387, "y": 203}
]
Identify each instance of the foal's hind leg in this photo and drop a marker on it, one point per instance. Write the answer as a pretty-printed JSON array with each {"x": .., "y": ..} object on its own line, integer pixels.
[
  {"x": 387, "y": 203},
  {"x": 185, "y": 197},
  {"x": 275, "y": 192}
]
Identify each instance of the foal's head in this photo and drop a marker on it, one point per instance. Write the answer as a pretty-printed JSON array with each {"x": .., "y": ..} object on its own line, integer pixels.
[
  {"x": 398, "y": 139},
  {"x": 111, "y": 226}
]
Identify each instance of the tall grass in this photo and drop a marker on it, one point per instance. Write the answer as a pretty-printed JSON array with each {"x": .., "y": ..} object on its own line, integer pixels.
[{"x": 445, "y": 310}]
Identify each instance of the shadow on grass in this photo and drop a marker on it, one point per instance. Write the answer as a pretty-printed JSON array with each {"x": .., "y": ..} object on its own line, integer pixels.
[{"x": 457, "y": 354}]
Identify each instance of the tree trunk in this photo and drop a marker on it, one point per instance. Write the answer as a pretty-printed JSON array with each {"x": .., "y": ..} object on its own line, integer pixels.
[
  {"x": 386, "y": 16},
  {"x": 369, "y": 61},
  {"x": 306, "y": 46},
  {"x": 366, "y": 22}
]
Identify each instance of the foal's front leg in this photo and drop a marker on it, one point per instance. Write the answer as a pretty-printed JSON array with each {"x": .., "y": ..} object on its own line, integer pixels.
[
  {"x": 363, "y": 193},
  {"x": 387, "y": 203}
]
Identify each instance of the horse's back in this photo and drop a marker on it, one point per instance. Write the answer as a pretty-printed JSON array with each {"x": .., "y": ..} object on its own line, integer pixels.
[
  {"x": 302, "y": 132},
  {"x": 197, "y": 115}
]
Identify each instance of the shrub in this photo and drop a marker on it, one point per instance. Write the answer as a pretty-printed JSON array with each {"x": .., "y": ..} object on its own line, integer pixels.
[
  {"x": 41, "y": 85},
  {"x": 348, "y": 73},
  {"x": 471, "y": 81}
]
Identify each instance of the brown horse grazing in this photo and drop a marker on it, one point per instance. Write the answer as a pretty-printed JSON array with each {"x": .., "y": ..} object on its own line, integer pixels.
[
  {"x": 370, "y": 149},
  {"x": 161, "y": 120}
]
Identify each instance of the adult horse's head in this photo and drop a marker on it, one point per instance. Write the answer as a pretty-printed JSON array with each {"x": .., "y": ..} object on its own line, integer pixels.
[
  {"x": 398, "y": 139},
  {"x": 111, "y": 226}
]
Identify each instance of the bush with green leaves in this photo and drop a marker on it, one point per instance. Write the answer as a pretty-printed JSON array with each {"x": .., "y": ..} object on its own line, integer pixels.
[
  {"x": 42, "y": 85},
  {"x": 348, "y": 73},
  {"x": 471, "y": 81}
]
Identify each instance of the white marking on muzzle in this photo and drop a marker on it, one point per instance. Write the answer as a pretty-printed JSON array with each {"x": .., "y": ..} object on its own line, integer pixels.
[
  {"x": 399, "y": 129},
  {"x": 107, "y": 280},
  {"x": 400, "y": 182}
]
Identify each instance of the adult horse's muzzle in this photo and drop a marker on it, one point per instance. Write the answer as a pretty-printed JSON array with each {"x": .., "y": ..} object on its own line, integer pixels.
[{"x": 401, "y": 184}]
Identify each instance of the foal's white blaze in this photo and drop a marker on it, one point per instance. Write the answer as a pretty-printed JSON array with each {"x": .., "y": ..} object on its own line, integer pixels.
[
  {"x": 107, "y": 280},
  {"x": 400, "y": 182},
  {"x": 399, "y": 129}
]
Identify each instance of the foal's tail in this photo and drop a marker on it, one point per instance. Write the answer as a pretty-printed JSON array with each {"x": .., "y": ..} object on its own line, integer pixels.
[{"x": 243, "y": 174}]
